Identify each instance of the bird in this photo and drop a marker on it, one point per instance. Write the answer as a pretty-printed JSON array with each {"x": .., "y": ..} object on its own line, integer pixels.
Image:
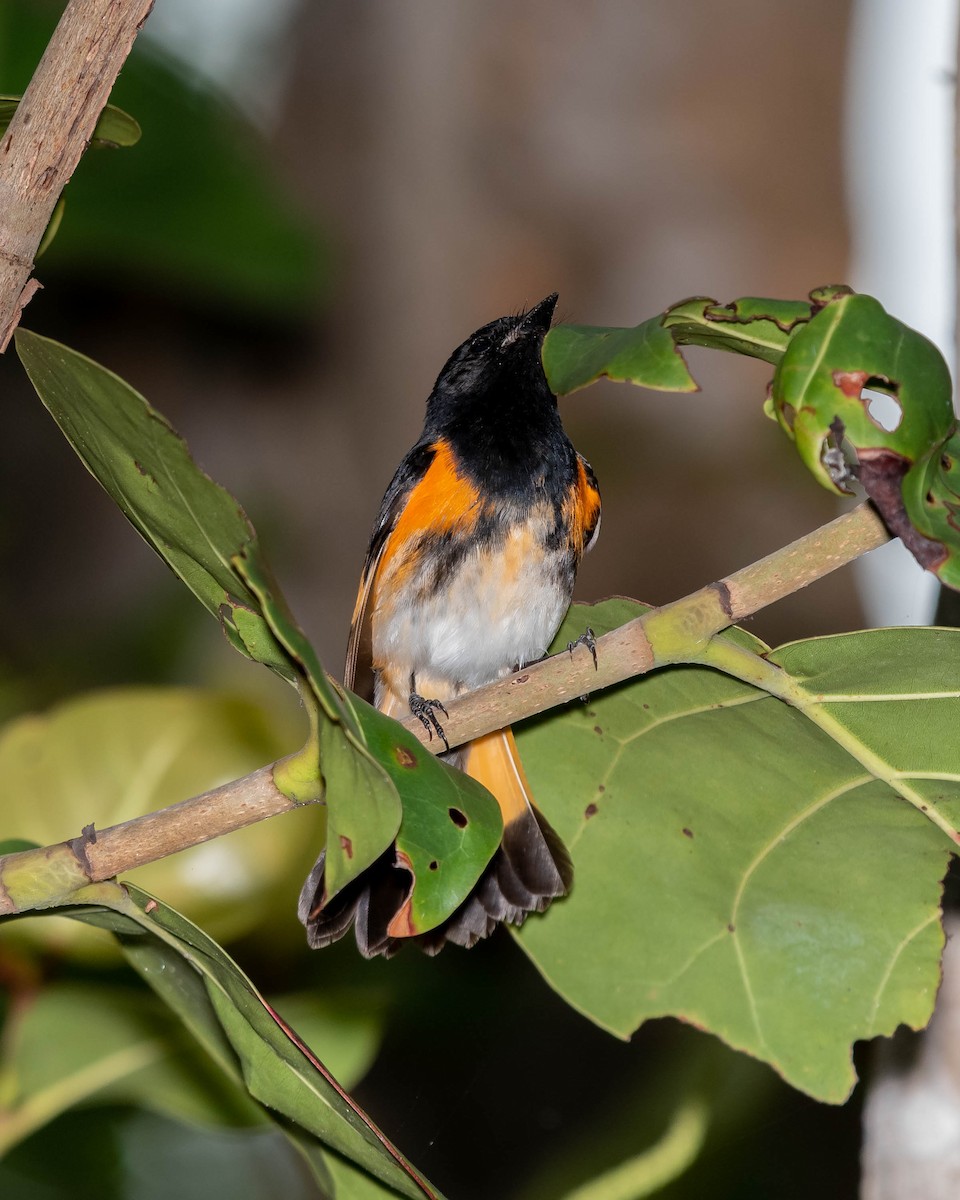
[{"x": 468, "y": 575}]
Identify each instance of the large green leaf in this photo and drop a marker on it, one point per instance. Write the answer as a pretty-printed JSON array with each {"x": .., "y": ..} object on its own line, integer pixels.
[
  {"x": 750, "y": 865},
  {"x": 242, "y": 1033}
]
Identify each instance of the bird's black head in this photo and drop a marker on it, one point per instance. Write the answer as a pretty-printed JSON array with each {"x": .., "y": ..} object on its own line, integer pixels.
[{"x": 497, "y": 367}]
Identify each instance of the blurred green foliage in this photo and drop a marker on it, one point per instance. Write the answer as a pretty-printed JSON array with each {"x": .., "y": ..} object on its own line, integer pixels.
[{"x": 196, "y": 212}]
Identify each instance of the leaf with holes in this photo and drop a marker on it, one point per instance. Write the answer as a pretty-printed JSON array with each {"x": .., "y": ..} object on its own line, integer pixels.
[
  {"x": 821, "y": 397},
  {"x": 450, "y": 829},
  {"x": 768, "y": 872}
]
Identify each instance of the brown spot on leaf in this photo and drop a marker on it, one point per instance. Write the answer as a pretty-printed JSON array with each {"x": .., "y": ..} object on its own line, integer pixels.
[
  {"x": 590, "y": 811},
  {"x": 731, "y": 928},
  {"x": 346, "y": 845},
  {"x": 458, "y": 817},
  {"x": 851, "y": 383},
  {"x": 601, "y": 787},
  {"x": 406, "y": 758},
  {"x": 597, "y": 729},
  {"x": 433, "y": 864},
  {"x": 687, "y": 832}
]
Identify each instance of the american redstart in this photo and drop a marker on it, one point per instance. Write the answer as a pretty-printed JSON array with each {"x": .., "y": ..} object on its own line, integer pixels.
[{"x": 469, "y": 573}]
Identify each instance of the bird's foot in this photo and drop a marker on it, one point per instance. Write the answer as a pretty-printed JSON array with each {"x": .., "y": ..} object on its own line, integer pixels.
[
  {"x": 589, "y": 639},
  {"x": 426, "y": 713}
]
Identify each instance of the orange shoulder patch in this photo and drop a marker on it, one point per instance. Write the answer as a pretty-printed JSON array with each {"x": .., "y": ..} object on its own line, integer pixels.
[
  {"x": 442, "y": 501},
  {"x": 581, "y": 509}
]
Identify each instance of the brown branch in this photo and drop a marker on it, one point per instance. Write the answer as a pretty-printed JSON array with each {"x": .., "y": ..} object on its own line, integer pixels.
[
  {"x": 50, "y": 130},
  {"x": 36, "y": 878}
]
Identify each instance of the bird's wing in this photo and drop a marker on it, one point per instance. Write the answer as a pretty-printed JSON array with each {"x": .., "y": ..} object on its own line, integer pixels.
[{"x": 358, "y": 672}]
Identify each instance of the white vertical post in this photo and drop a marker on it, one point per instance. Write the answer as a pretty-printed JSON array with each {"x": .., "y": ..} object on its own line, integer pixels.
[{"x": 900, "y": 188}]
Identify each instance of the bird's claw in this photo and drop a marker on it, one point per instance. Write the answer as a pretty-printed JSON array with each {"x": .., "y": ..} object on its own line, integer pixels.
[
  {"x": 589, "y": 639},
  {"x": 426, "y": 713}
]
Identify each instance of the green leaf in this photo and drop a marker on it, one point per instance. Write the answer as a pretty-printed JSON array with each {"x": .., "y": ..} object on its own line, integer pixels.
[
  {"x": 114, "y": 755},
  {"x": 52, "y": 226},
  {"x": 654, "y": 1168},
  {"x": 451, "y": 825},
  {"x": 852, "y": 346},
  {"x": 72, "y": 1042},
  {"x": 117, "y": 1153},
  {"x": 114, "y": 127},
  {"x": 931, "y": 497},
  {"x": 240, "y": 1031},
  {"x": 751, "y": 866},
  {"x": 576, "y": 355},
  {"x": 758, "y": 327},
  {"x": 445, "y": 858},
  {"x": 192, "y": 523},
  {"x": 849, "y": 345}
]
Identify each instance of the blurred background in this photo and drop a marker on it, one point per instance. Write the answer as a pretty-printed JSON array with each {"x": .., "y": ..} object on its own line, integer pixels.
[{"x": 327, "y": 198}]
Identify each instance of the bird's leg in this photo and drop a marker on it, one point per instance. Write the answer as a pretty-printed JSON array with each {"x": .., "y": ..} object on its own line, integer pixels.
[
  {"x": 589, "y": 639},
  {"x": 426, "y": 712}
]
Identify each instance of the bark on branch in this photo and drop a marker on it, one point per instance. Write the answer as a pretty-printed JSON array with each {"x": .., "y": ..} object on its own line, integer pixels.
[{"x": 51, "y": 129}]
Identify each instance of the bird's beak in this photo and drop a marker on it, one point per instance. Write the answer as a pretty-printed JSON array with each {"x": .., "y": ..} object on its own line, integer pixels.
[{"x": 540, "y": 316}]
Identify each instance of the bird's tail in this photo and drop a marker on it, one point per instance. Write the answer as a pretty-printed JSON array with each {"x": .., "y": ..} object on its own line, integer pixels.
[{"x": 530, "y": 868}]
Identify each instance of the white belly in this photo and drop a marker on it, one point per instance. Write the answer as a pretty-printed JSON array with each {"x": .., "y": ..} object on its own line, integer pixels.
[{"x": 500, "y": 608}]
